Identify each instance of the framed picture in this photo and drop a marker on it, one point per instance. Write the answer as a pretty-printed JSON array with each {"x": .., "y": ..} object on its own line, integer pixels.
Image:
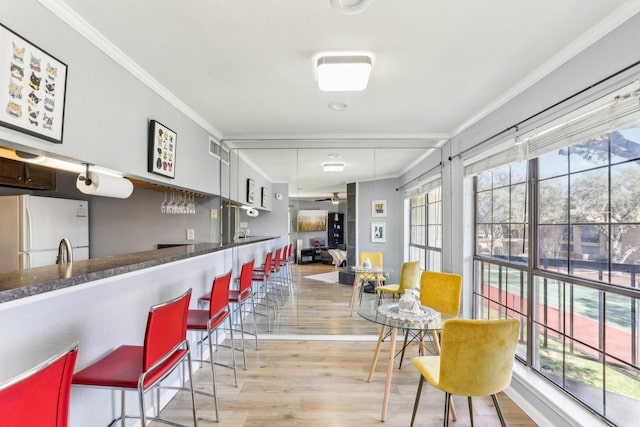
[
  {"x": 162, "y": 149},
  {"x": 250, "y": 185},
  {"x": 378, "y": 232},
  {"x": 264, "y": 198},
  {"x": 37, "y": 85},
  {"x": 378, "y": 208}
]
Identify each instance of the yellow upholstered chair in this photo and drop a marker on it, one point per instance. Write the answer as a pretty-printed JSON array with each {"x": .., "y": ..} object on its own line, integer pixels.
[
  {"x": 376, "y": 261},
  {"x": 374, "y": 257},
  {"x": 408, "y": 280},
  {"x": 441, "y": 291},
  {"x": 476, "y": 360}
]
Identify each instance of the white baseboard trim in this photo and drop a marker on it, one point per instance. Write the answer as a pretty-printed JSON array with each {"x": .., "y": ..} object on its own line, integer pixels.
[{"x": 545, "y": 404}]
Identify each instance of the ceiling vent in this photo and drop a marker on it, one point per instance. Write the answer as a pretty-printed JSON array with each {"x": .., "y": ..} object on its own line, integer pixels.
[{"x": 218, "y": 150}]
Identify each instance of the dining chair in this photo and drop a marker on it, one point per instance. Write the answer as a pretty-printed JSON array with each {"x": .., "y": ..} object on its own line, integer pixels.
[
  {"x": 142, "y": 368},
  {"x": 375, "y": 258},
  {"x": 207, "y": 322},
  {"x": 39, "y": 397},
  {"x": 408, "y": 280},
  {"x": 476, "y": 359},
  {"x": 441, "y": 292}
]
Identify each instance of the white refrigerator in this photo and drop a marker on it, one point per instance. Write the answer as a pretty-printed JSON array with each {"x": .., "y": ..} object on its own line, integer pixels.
[{"x": 31, "y": 228}]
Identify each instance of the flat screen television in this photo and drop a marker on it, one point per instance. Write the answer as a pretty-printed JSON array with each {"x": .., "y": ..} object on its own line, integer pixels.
[{"x": 312, "y": 220}]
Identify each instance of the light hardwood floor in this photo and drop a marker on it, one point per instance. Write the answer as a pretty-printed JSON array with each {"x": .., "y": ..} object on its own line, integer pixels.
[{"x": 312, "y": 371}]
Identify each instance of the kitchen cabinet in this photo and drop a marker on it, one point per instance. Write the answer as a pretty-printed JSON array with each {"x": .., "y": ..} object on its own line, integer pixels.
[{"x": 25, "y": 175}]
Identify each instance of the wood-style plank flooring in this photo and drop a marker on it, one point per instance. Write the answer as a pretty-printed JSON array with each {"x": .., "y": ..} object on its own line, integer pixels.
[{"x": 312, "y": 371}]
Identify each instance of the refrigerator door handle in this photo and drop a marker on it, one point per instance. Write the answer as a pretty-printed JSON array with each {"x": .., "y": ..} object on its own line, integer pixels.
[{"x": 27, "y": 210}]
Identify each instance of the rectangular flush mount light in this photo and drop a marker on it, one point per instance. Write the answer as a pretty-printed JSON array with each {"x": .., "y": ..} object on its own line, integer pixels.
[
  {"x": 333, "y": 167},
  {"x": 343, "y": 73}
]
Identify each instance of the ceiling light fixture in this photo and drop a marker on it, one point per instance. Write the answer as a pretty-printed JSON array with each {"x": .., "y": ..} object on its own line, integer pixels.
[
  {"x": 333, "y": 167},
  {"x": 335, "y": 199},
  {"x": 343, "y": 73}
]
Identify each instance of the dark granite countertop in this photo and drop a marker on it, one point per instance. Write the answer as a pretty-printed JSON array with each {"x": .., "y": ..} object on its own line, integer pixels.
[{"x": 33, "y": 281}]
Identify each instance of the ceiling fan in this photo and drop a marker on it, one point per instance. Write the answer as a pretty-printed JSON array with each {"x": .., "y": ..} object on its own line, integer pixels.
[{"x": 333, "y": 199}]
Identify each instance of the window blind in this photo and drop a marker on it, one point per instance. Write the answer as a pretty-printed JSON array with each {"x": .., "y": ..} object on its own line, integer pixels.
[
  {"x": 613, "y": 111},
  {"x": 423, "y": 185}
]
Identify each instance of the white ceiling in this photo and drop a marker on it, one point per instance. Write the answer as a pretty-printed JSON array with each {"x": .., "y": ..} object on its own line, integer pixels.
[{"x": 246, "y": 70}]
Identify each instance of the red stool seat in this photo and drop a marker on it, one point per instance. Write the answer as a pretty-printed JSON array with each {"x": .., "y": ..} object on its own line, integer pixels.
[{"x": 123, "y": 367}]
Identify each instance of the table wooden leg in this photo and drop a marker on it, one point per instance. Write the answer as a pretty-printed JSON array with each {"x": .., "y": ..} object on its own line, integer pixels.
[
  {"x": 354, "y": 292},
  {"x": 387, "y": 383},
  {"x": 376, "y": 353}
]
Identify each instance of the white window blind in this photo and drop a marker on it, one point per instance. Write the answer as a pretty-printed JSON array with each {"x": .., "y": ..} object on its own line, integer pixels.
[
  {"x": 614, "y": 111},
  {"x": 423, "y": 185},
  {"x": 610, "y": 112}
]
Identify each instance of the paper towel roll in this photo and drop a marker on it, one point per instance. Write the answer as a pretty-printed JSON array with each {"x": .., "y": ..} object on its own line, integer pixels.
[{"x": 105, "y": 185}]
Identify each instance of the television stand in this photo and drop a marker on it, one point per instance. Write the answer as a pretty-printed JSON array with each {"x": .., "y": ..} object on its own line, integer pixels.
[{"x": 311, "y": 255}]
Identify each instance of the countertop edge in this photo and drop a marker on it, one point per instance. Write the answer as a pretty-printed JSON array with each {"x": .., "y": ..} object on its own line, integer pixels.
[{"x": 19, "y": 284}]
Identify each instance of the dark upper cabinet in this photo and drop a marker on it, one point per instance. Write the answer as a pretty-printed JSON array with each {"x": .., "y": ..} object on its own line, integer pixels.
[
  {"x": 24, "y": 175},
  {"x": 335, "y": 230}
]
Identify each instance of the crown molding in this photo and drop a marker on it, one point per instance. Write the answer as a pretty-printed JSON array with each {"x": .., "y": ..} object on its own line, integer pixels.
[
  {"x": 82, "y": 27},
  {"x": 595, "y": 33}
]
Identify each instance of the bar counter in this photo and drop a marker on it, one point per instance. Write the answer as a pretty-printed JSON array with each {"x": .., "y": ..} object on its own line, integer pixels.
[
  {"x": 103, "y": 303},
  {"x": 34, "y": 281}
]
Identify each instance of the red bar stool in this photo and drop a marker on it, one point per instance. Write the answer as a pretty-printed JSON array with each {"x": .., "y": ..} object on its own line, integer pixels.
[
  {"x": 261, "y": 276},
  {"x": 287, "y": 261},
  {"x": 276, "y": 275},
  {"x": 207, "y": 322},
  {"x": 239, "y": 298},
  {"x": 39, "y": 397},
  {"x": 142, "y": 367}
]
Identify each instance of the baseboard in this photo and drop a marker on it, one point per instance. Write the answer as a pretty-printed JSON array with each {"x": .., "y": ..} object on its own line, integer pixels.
[{"x": 545, "y": 404}]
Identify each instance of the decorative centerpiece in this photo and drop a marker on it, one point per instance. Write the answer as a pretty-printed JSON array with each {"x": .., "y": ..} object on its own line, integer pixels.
[
  {"x": 366, "y": 263},
  {"x": 408, "y": 311},
  {"x": 408, "y": 304}
]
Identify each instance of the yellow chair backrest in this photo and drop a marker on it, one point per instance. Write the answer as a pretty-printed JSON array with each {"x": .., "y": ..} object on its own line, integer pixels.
[
  {"x": 374, "y": 257},
  {"x": 477, "y": 356},
  {"x": 409, "y": 276},
  {"x": 441, "y": 291}
]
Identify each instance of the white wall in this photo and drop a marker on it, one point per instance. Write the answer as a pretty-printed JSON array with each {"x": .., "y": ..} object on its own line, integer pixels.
[
  {"x": 108, "y": 109},
  {"x": 272, "y": 222},
  {"x": 392, "y": 249}
]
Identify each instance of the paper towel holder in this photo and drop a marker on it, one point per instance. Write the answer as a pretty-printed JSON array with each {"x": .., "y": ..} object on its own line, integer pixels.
[{"x": 86, "y": 178}]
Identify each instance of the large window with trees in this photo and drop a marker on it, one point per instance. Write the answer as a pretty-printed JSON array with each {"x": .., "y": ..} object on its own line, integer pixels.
[
  {"x": 577, "y": 296},
  {"x": 425, "y": 229}
]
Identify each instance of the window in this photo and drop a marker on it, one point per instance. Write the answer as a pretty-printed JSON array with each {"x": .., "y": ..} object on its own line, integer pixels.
[
  {"x": 578, "y": 296},
  {"x": 425, "y": 229}
]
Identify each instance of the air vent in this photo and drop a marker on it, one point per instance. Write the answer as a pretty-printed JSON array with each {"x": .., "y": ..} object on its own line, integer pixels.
[{"x": 218, "y": 150}]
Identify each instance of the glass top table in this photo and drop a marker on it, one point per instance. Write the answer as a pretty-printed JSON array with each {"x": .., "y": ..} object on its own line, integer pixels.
[
  {"x": 389, "y": 317},
  {"x": 364, "y": 274}
]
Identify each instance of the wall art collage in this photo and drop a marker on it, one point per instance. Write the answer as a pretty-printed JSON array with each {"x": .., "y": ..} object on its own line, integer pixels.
[{"x": 34, "y": 85}]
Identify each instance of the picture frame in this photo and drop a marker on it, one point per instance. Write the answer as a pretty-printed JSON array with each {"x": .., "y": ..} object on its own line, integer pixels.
[
  {"x": 378, "y": 232},
  {"x": 264, "y": 199},
  {"x": 250, "y": 190},
  {"x": 378, "y": 208},
  {"x": 163, "y": 144},
  {"x": 34, "y": 103}
]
